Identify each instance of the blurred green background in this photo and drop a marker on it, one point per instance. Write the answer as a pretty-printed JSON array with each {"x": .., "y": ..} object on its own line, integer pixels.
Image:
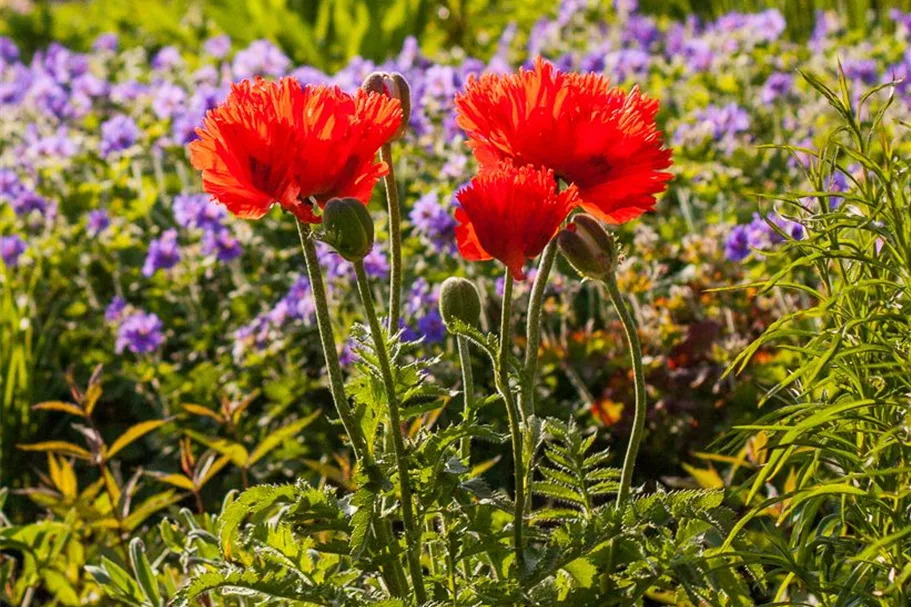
[{"x": 326, "y": 33}]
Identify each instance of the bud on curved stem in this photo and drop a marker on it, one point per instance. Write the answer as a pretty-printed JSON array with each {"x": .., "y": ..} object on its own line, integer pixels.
[
  {"x": 348, "y": 228},
  {"x": 593, "y": 252},
  {"x": 589, "y": 248},
  {"x": 459, "y": 300}
]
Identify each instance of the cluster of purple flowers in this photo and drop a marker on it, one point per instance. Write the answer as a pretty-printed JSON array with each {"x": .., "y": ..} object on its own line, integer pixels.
[
  {"x": 422, "y": 316},
  {"x": 137, "y": 331},
  {"x": 11, "y": 248},
  {"x": 195, "y": 212},
  {"x": 434, "y": 222},
  {"x": 760, "y": 235}
]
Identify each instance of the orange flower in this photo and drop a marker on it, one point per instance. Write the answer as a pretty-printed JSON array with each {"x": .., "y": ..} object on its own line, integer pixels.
[
  {"x": 510, "y": 213},
  {"x": 601, "y": 139},
  {"x": 275, "y": 142}
]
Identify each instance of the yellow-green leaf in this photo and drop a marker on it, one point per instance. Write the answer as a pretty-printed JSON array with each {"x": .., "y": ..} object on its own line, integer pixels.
[
  {"x": 178, "y": 480},
  {"x": 92, "y": 394},
  {"x": 237, "y": 452},
  {"x": 200, "y": 410},
  {"x": 276, "y": 438},
  {"x": 59, "y": 447},
  {"x": 57, "y": 405},
  {"x": 132, "y": 434}
]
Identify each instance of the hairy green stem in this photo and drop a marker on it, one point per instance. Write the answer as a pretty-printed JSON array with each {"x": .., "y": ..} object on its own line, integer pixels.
[
  {"x": 533, "y": 329},
  {"x": 515, "y": 429},
  {"x": 412, "y": 531},
  {"x": 395, "y": 241},
  {"x": 395, "y": 578},
  {"x": 635, "y": 351},
  {"x": 467, "y": 395}
]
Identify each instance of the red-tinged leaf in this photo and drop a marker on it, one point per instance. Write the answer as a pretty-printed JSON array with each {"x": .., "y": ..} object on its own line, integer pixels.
[
  {"x": 57, "y": 405},
  {"x": 132, "y": 434},
  {"x": 59, "y": 447}
]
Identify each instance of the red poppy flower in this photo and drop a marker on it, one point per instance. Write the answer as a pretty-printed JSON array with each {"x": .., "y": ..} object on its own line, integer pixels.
[
  {"x": 602, "y": 139},
  {"x": 275, "y": 142},
  {"x": 510, "y": 213}
]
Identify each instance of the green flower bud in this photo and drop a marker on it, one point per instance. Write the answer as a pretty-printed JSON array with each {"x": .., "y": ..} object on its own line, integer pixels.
[
  {"x": 589, "y": 248},
  {"x": 459, "y": 300},
  {"x": 348, "y": 228},
  {"x": 392, "y": 84}
]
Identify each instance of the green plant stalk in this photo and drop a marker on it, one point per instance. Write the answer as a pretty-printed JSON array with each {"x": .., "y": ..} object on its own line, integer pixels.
[
  {"x": 635, "y": 350},
  {"x": 533, "y": 329},
  {"x": 412, "y": 532},
  {"x": 515, "y": 429},
  {"x": 395, "y": 579},
  {"x": 467, "y": 394},
  {"x": 395, "y": 241}
]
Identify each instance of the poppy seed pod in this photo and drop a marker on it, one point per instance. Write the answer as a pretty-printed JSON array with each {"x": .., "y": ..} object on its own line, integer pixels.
[
  {"x": 348, "y": 228},
  {"x": 392, "y": 84},
  {"x": 459, "y": 300},
  {"x": 589, "y": 248}
]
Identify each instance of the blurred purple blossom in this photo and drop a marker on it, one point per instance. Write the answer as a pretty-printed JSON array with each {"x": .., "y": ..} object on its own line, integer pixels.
[
  {"x": 97, "y": 222},
  {"x": 169, "y": 99},
  {"x": 777, "y": 85},
  {"x": 105, "y": 42},
  {"x": 218, "y": 46},
  {"x": 163, "y": 254},
  {"x": 167, "y": 58},
  {"x": 114, "y": 311},
  {"x": 11, "y": 248},
  {"x": 261, "y": 58},
  {"x": 433, "y": 221},
  {"x": 140, "y": 333},
  {"x": 118, "y": 134}
]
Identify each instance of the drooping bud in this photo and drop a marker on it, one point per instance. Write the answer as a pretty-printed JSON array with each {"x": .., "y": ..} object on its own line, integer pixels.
[
  {"x": 459, "y": 300},
  {"x": 392, "y": 84},
  {"x": 589, "y": 248},
  {"x": 348, "y": 228}
]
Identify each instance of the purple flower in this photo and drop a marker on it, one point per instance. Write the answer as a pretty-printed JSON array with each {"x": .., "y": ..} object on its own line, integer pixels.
[
  {"x": 261, "y": 58},
  {"x": 791, "y": 229},
  {"x": 9, "y": 52},
  {"x": 218, "y": 46},
  {"x": 627, "y": 63},
  {"x": 431, "y": 327},
  {"x": 167, "y": 58},
  {"x": 124, "y": 92},
  {"x": 698, "y": 55},
  {"x": 197, "y": 211},
  {"x": 164, "y": 253},
  {"x": 375, "y": 263},
  {"x": 222, "y": 244},
  {"x": 861, "y": 70},
  {"x": 114, "y": 311},
  {"x": 140, "y": 333},
  {"x": 97, "y": 222},
  {"x": 169, "y": 98},
  {"x": 89, "y": 86},
  {"x": 57, "y": 145},
  {"x": 183, "y": 128},
  {"x": 30, "y": 202},
  {"x": 309, "y": 75},
  {"x": 737, "y": 245},
  {"x": 105, "y": 42},
  {"x": 118, "y": 134},
  {"x": 432, "y": 221},
  {"x": 642, "y": 31},
  {"x": 777, "y": 85},
  {"x": 11, "y": 248},
  {"x": 10, "y": 184}
]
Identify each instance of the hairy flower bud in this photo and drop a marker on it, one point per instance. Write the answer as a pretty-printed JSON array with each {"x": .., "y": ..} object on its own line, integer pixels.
[
  {"x": 348, "y": 228},
  {"x": 459, "y": 300},
  {"x": 392, "y": 84},
  {"x": 589, "y": 248}
]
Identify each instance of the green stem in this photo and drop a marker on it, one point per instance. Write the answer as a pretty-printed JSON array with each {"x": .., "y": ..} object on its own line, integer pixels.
[
  {"x": 515, "y": 429},
  {"x": 395, "y": 578},
  {"x": 533, "y": 329},
  {"x": 635, "y": 350},
  {"x": 395, "y": 241},
  {"x": 412, "y": 532},
  {"x": 467, "y": 394}
]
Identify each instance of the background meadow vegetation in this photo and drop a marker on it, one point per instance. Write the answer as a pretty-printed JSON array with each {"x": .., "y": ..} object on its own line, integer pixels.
[{"x": 157, "y": 353}]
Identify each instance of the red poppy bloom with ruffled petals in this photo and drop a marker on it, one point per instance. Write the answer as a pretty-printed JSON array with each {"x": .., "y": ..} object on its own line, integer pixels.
[
  {"x": 276, "y": 142},
  {"x": 601, "y": 139},
  {"x": 510, "y": 213}
]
